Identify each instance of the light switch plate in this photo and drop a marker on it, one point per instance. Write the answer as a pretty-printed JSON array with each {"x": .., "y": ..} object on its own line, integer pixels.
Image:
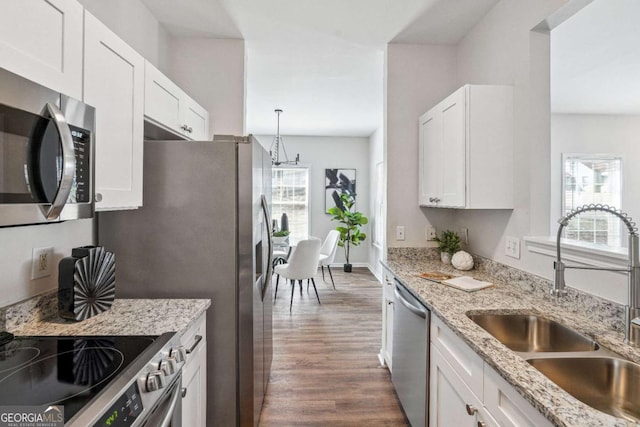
[
  {"x": 430, "y": 233},
  {"x": 512, "y": 247},
  {"x": 400, "y": 232}
]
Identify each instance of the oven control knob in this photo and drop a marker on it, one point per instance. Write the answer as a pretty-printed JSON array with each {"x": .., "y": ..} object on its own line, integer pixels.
[
  {"x": 155, "y": 381},
  {"x": 169, "y": 366},
  {"x": 179, "y": 353}
]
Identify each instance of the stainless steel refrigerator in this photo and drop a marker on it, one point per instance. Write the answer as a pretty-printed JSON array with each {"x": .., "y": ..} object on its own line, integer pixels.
[{"x": 204, "y": 232}]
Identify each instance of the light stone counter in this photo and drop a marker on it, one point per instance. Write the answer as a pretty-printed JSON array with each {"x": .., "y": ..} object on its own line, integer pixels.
[
  {"x": 126, "y": 317},
  {"x": 517, "y": 292}
]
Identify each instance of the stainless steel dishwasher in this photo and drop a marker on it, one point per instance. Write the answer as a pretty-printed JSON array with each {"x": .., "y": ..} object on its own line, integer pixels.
[{"x": 410, "y": 373}]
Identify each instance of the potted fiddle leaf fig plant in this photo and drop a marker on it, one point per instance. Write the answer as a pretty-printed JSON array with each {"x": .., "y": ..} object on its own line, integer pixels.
[
  {"x": 448, "y": 244},
  {"x": 350, "y": 234}
]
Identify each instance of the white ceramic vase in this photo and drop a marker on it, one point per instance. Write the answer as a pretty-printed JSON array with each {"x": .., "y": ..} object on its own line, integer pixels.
[{"x": 445, "y": 257}]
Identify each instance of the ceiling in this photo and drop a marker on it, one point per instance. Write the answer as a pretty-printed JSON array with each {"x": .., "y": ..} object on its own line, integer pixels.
[
  {"x": 595, "y": 60},
  {"x": 322, "y": 62}
]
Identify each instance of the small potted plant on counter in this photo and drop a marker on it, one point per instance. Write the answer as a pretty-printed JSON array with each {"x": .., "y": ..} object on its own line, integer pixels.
[
  {"x": 281, "y": 238},
  {"x": 350, "y": 234},
  {"x": 448, "y": 244}
]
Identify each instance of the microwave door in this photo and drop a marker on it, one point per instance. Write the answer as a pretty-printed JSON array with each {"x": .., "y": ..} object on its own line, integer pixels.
[{"x": 51, "y": 162}]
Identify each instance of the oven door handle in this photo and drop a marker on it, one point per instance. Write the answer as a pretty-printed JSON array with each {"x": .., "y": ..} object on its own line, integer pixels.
[
  {"x": 166, "y": 420},
  {"x": 68, "y": 161}
]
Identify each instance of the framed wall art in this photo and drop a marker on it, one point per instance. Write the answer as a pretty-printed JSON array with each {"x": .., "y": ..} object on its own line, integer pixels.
[{"x": 338, "y": 181}]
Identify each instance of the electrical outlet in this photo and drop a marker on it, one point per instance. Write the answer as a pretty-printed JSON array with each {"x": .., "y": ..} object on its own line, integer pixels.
[
  {"x": 400, "y": 232},
  {"x": 42, "y": 262},
  {"x": 430, "y": 233},
  {"x": 464, "y": 235},
  {"x": 512, "y": 247}
]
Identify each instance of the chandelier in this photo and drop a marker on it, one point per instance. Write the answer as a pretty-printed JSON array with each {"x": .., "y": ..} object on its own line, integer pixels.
[{"x": 277, "y": 144}]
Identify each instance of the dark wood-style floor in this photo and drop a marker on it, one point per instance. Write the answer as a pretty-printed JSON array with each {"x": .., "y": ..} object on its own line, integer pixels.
[{"x": 325, "y": 368}]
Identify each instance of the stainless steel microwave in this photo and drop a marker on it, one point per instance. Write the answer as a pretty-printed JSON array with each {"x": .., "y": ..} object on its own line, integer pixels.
[{"x": 46, "y": 154}]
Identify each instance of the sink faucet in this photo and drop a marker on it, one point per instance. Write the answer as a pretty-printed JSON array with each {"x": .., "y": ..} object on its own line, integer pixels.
[{"x": 632, "y": 309}]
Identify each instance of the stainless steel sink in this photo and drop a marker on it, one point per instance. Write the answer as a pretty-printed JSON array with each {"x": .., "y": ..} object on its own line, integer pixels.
[
  {"x": 531, "y": 334},
  {"x": 607, "y": 384}
]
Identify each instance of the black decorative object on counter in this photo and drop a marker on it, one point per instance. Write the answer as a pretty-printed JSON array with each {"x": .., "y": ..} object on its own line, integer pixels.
[{"x": 86, "y": 282}]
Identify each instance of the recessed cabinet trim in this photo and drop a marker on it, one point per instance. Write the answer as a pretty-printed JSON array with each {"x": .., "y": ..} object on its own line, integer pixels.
[
  {"x": 41, "y": 40},
  {"x": 466, "y": 150},
  {"x": 114, "y": 85}
]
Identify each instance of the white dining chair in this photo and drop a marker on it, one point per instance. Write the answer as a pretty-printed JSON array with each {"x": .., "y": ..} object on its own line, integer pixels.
[
  {"x": 302, "y": 264},
  {"x": 328, "y": 252}
]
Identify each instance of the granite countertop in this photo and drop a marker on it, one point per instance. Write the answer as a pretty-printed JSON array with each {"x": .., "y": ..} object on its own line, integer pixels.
[
  {"x": 511, "y": 294},
  {"x": 125, "y": 317}
]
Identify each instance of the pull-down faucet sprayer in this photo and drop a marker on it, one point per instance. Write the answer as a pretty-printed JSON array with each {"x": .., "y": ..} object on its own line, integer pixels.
[{"x": 632, "y": 309}]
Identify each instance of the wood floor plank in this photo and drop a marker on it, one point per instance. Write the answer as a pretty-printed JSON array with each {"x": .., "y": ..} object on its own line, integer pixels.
[{"x": 325, "y": 368}]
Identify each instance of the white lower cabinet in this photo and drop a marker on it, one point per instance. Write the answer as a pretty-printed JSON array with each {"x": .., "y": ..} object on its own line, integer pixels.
[
  {"x": 388, "y": 301},
  {"x": 506, "y": 405},
  {"x": 451, "y": 401},
  {"x": 114, "y": 85},
  {"x": 194, "y": 376},
  {"x": 465, "y": 391}
]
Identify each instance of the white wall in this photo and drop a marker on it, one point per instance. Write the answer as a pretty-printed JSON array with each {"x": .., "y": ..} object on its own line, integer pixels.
[
  {"x": 500, "y": 49},
  {"x": 332, "y": 152},
  {"x": 16, "y": 245},
  {"x": 135, "y": 24},
  {"x": 211, "y": 71},
  {"x": 597, "y": 134},
  {"x": 418, "y": 76}
]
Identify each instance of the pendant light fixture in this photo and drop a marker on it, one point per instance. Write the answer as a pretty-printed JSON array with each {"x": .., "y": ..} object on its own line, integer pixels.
[{"x": 277, "y": 143}]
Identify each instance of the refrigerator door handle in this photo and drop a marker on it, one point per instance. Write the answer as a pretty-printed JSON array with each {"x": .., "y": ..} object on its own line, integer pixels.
[{"x": 267, "y": 221}]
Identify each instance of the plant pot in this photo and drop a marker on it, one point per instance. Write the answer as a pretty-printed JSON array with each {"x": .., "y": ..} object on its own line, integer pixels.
[
  {"x": 347, "y": 268},
  {"x": 445, "y": 257},
  {"x": 281, "y": 240}
]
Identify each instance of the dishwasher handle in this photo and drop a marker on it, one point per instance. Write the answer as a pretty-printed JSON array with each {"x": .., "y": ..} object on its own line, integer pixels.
[{"x": 412, "y": 308}]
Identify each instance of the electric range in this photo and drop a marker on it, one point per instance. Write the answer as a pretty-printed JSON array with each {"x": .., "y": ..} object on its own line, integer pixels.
[{"x": 98, "y": 381}]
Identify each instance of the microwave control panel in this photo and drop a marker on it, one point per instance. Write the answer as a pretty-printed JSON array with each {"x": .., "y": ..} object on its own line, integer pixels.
[{"x": 81, "y": 190}]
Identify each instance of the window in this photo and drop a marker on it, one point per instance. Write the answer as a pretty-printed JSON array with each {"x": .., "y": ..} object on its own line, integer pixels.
[
  {"x": 291, "y": 196},
  {"x": 592, "y": 179}
]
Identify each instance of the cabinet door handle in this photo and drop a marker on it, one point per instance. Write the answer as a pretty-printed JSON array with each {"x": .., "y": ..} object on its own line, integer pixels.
[
  {"x": 389, "y": 302},
  {"x": 471, "y": 410},
  {"x": 184, "y": 392},
  {"x": 189, "y": 129},
  {"x": 195, "y": 344},
  {"x": 482, "y": 424}
]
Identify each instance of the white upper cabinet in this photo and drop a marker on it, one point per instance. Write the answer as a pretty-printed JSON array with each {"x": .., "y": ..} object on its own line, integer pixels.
[
  {"x": 168, "y": 106},
  {"x": 196, "y": 120},
  {"x": 466, "y": 150},
  {"x": 41, "y": 40},
  {"x": 114, "y": 85}
]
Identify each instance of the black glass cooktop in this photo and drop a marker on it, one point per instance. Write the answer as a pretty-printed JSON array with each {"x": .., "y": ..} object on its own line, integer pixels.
[{"x": 67, "y": 371}]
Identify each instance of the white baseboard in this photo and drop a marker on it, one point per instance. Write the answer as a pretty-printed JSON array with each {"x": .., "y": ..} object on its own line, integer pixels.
[{"x": 361, "y": 264}]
